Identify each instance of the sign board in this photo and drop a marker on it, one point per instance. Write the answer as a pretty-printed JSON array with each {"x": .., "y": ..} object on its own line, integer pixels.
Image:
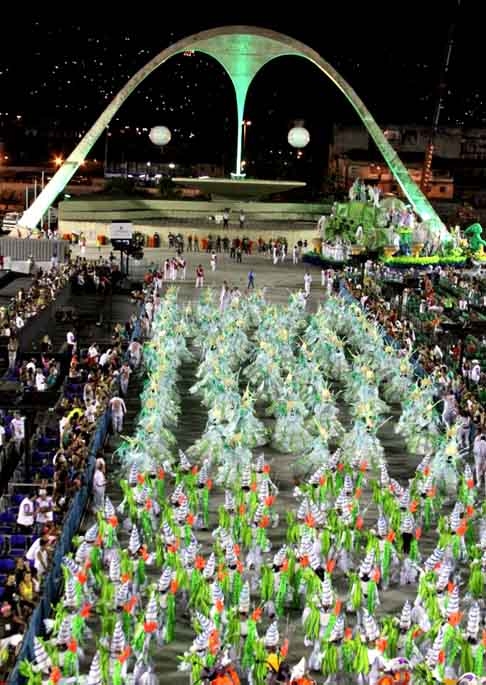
[
  {"x": 22, "y": 267},
  {"x": 121, "y": 230}
]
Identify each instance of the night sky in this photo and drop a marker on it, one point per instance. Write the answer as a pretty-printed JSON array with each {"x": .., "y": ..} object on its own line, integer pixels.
[{"x": 61, "y": 68}]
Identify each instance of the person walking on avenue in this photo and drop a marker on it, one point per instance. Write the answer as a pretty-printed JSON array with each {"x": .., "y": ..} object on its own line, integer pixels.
[
  {"x": 182, "y": 268},
  {"x": 225, "y": 218},
  {"x": 295, "y": 254},
  {"x": 479, "y": 451},
  {"x": 224, "y": 297},
  {"x": 242, "y": 219},
  {"x": 275, "y": 253},
  {"x": 251, "y": 279},
  {"x": 125, "y": 373},
  {"x": 13, "y": 349},
  {"x": 99, "y": 485},
  {"x": 135, "y": 353},
  {"x": 213, "y": 260},
  {"x": 307, "y": 282},
  {"x": 199, "y": 276},
  {"x": 118, "y": 411}
]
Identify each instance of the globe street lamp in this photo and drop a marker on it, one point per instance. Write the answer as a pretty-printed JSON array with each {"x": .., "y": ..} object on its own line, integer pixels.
[
  {"x": 298, "y": 137},
  {"x": 160, "y": 135}
]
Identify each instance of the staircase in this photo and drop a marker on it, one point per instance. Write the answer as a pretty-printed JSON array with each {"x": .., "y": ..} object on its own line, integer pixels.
[
  {"x": 133, "y": 405},
  {"x": 96, "y": 318}
]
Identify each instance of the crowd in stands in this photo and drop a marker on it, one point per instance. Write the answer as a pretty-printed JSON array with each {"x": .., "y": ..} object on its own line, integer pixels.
[
  {"x": 33, "y": 512},
  {"x": 94, "y": 276},
  {"x": 459, "y": 377},
  {"x": 28, "y": 303},
  {"x": 39, "y": 374}
]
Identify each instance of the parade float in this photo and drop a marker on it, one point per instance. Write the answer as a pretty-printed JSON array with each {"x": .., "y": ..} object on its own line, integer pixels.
[{"x": 387, "y": 228}]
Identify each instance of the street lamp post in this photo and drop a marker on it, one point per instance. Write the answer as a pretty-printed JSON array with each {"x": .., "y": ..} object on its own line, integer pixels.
[
  {"x": 107, "y": 135},
  {"x": 245, "y": 123},
  {"x": 27, "y": 188}
]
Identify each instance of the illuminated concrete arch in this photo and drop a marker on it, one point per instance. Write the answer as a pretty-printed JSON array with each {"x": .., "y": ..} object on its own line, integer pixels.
[{"x": 242, "y": 51}]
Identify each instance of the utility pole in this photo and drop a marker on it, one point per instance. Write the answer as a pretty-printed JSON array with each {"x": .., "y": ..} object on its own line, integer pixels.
[
  {"x": 425, "y": 181},
  {"x": 42, "y": 188},
  {"x": 107, "y": 133}
]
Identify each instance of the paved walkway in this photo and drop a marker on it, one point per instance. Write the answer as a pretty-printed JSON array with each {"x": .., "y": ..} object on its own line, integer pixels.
[{"x": 280, "y": 280}]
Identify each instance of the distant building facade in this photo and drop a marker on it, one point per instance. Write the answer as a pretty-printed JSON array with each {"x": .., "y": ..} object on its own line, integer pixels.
[
  {"x": 450, "y": 143},
  {"x": 347, "y": 170},
  {"x": 459, "y": 156}
]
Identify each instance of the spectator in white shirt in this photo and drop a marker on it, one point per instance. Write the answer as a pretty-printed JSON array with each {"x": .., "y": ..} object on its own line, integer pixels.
[
  {"x": 18, "y": 430},
  {"x": 105, "y": 358},
  {"x": 40, "y": 381},
  {"x": 475, "y": 373},
  {"x": 33, "y": 549},
  {"x": 91, "y": 411},
  {"x": 2, "y": 439},
  {"x": 44, "y": 509},
  {"x": 71, "y": 342},
  {"x": 93, "y": 354},
  {"x": 41, "y": 560},
  {"x": 62, "y": 424},
  {"x": 25, "y": 517}
]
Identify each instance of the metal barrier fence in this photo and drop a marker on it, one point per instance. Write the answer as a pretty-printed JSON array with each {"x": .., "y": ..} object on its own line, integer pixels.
[{"x": 20, "y": 249}]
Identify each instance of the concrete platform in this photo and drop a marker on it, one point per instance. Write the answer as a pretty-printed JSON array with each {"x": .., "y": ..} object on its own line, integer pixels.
[
  {"x": 238, "y": 189},
  {"x": 280, "y": 281},
  {"x": 292, "y": 220}
]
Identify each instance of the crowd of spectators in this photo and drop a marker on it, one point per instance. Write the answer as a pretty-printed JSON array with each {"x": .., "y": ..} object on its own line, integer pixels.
[
  {"x": 95, "y": 276},
  {"x": 98, "y": 380},
  {"x": 27, "y": 304},
  {"x": 459, "y": 378}
]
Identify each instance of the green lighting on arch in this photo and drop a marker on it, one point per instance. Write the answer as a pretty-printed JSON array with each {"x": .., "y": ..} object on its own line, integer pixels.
[{"x": 242, "y": 51}]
